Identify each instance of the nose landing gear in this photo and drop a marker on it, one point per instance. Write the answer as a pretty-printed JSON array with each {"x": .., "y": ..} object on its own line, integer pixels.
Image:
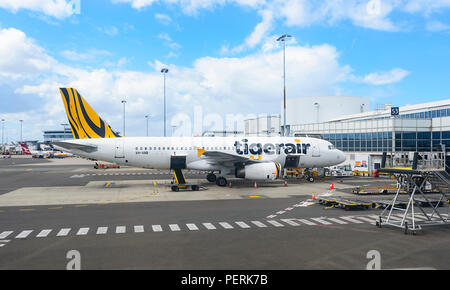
[{"x": 211, "y": 177}]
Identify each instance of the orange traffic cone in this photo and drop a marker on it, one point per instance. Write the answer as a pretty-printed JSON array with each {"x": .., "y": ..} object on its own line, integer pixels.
[
  {"x": 285, "y": 183},
  {"x": 313, "y": 195},
  {"x": 255, "y": 186},
  {"x": 229, "y": 185},
  {"x": 332, "y": 186}
]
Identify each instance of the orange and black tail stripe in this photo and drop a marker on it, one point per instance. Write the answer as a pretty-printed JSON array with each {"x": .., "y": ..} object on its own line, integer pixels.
[{"x": 84, "y": 121}]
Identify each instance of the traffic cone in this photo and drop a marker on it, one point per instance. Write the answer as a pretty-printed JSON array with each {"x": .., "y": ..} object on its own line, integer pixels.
[
  {"x": 255, "y": 185},
  {"x": 332, "y": 186},
  {"x": 313, "y": 195},
  {"x": 285, "y": 183},
  {"x": 229, "y": 185}
]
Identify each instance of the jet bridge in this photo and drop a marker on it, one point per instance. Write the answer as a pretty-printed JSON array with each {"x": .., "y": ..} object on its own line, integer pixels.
[{"x": 425, "y": 169}]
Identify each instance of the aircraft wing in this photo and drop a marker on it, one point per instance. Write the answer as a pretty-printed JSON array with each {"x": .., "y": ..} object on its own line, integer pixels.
[
  {"x": 75, "y": 146},
  {"x": 218, "y": 157}
]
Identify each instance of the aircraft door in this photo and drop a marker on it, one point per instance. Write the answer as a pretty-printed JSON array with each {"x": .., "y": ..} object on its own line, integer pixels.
[
  {"x": 292, "y": 161},
  {"x": 119, "y": 152},
  {"x": 178, "y": 162}
]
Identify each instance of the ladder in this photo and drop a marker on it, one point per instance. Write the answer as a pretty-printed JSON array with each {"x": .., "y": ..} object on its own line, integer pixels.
[{"x": 410, "y": 219}]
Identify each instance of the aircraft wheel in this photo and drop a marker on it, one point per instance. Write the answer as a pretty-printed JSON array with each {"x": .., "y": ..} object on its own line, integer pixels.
[
  {"x": 211, "y": 177},
  {"x": 221, "y": 181},
  {"x": 310, "y": 179}
]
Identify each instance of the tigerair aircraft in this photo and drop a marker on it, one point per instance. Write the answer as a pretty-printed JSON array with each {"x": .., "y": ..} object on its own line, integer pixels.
[{"x": 252, "y": 158}]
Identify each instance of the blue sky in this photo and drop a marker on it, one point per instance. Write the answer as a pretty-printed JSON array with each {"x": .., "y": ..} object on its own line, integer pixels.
[{"x": 222, "y": 56}]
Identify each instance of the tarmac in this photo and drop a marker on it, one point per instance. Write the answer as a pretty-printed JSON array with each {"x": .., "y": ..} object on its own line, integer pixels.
[{"x": 128, "y": 218}]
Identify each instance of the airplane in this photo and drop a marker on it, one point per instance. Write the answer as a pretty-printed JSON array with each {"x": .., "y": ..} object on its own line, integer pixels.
[
  {"x": 252, "y": 158},
  {"x": 33, "y": 153}
]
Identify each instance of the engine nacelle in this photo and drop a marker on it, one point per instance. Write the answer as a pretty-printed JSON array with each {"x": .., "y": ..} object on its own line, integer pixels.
[{"x": 259, "y": 171}]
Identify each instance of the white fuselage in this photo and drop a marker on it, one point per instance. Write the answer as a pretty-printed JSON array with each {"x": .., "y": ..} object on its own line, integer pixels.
[{"x": 156, "y": 152}]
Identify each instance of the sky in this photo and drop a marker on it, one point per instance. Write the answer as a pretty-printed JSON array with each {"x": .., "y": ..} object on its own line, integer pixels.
[{"x": 223, "y": 58}]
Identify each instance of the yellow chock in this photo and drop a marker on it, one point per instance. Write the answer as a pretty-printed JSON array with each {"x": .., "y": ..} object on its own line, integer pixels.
[{"x": 155, "y": 191}]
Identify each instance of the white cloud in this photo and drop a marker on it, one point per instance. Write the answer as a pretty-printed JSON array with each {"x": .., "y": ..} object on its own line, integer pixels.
[
  {"x": 163, "y": 18},
  {"x": 137, "y": 4},
  {"x": 88, "y": 56},
  {"x": 20, "y": 57},
  {"x": 221, "y": 85},
  {"x": 384, "y": 78},
  {"x": 109, "y": 30},
  {"x": 437, "y": 26},
  {"x": 55, "y": 8}
]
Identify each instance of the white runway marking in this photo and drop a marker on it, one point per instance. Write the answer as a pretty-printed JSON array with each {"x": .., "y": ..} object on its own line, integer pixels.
[
  {"x": 120, "y": 230},
  {"x": 275, "y": 223},
  {"x": 337, "y": 221},
  {"x": 290, "y": 222},
  {"x": 226, "y": 225},
  {"x": 63, "y": 232},
  {"x": 192, "y": 227},
  {"x": 307, "y": 222},
  {"x": 242, "y": 225},
  {"x": 23, "y": 234},
  {"x": 321, "y": 220},
  {"x": 102, "y": 230},
  {"x": 5, "y": 234},
  {"x": 157, "y": 228},
  {"x": 43, "y": 233},
  {"x": 139, "y": 229},
  {"x": 350, "y": 219},
  {"x": 174, "y": 228},
  {"x": 209, "y": 226},
  {"x": 366, "y": 219},
  {"x": 259, "y": 224},
  {"x": 82, "y": 231}
]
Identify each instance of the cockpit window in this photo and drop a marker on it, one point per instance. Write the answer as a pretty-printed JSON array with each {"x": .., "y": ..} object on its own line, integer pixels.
[{"x": 331, "y": 147}]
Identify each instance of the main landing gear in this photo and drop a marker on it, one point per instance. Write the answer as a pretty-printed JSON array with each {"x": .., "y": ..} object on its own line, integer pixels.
[{"x": 219, "y": 180}]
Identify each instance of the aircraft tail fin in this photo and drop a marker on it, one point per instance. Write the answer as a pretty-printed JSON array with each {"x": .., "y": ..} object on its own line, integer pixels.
[
  {"x": 25, "y": 149},
  {"x": 84, "y": 121}
]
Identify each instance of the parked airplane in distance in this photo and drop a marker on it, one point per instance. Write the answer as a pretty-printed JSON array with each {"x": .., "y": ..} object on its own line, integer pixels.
[
  {"x": 35, "y": 153},
  {"x": 253, "y": 158}
]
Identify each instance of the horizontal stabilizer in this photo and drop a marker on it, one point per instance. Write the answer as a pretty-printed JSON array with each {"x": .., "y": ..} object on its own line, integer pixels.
[{"x": 65, "y": 145}]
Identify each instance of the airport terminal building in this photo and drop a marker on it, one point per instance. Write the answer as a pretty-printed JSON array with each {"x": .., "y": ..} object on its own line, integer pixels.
[{"x": 364, "y": 135}]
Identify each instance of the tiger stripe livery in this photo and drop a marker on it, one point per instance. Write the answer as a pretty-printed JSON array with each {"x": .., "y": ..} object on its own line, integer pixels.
[{"x": 84, "y": 121}]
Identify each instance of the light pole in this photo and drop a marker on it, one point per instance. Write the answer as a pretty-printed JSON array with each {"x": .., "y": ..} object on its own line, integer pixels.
[
  {"x": 164, "y": 71},
  {"x": 283, "y": 39},
  {"x": 173, "y": 128},
  {"x": 3, "y": 133},
  {"x": 124, "y": 102},
  {"x": 146, "y": 117},
  {"x": 21, "y": 122}
]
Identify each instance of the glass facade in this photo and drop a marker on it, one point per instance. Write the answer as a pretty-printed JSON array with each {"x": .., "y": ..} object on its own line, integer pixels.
[
  {"x": 361, "y": 142},
  {"x": 419, "y": 115},
  {"x": 382, "y": 141}
]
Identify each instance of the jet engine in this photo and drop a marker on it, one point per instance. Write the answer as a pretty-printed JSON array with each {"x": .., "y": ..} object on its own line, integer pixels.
[{"x": 259, "y": 171}]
